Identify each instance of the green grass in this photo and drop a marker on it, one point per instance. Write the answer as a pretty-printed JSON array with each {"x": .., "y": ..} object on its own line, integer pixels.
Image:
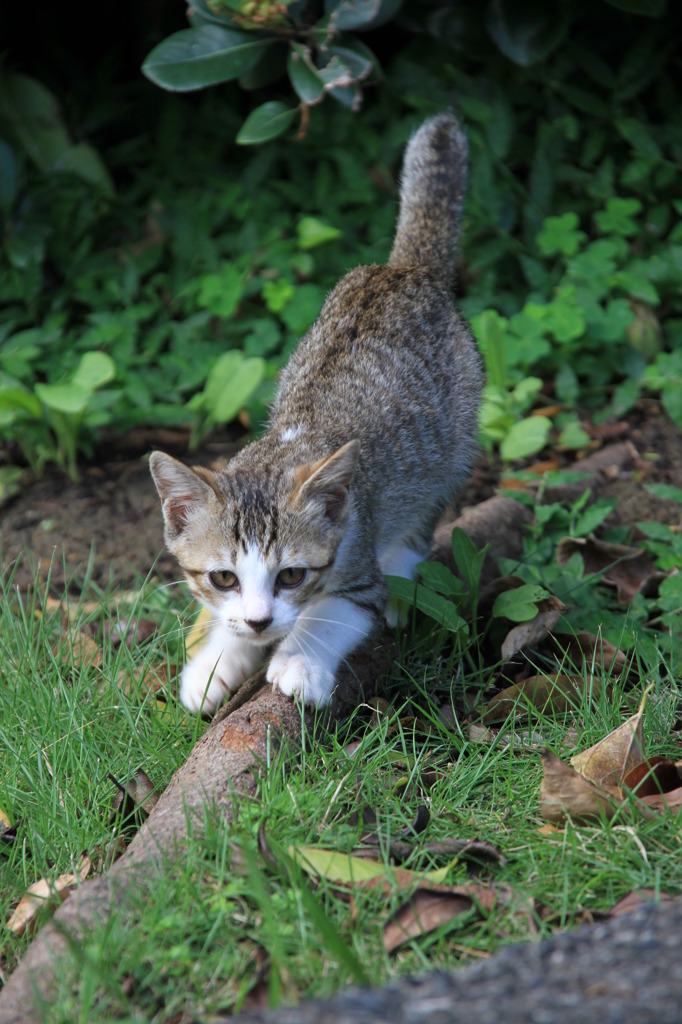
[{"x": 222, "y": 920}]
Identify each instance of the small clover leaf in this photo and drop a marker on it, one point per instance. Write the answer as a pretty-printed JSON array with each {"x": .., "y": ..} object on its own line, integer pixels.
[
  {"x": 561, "y": 235},
  {"x": 617, "y": 218}
]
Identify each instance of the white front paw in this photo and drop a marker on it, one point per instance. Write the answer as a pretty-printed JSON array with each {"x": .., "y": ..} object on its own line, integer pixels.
[
  {"x": 296, "y": 677},
  {"x": 197, "y": 693}
]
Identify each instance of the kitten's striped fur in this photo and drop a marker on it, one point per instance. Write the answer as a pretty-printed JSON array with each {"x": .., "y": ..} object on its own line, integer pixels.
[{"x": 370, "y": 436}]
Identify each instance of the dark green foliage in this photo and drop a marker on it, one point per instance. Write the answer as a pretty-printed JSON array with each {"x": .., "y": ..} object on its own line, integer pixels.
[{"x": 187, "y": 250}]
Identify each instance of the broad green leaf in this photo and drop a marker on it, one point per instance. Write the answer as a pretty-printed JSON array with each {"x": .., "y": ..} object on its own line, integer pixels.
[
  {"x": 31, "y": 115},
  {"x": 278, "y": 294},
  {"x": 519, "y": 604},
  {"x": 490, "y": 330},
  {"x": 86, "y": 164},
  {"x": 271, "y": 65},
  {"x": 230, "y": 384},
  {"x": 345, "y": 869},
  {"x": 71, "y": 399},
  {"x": 617, "y": 218},
  {"x": 468, "y": 558},
  {"x": 221, "y": 292},
  {"x": 313, "y": 232},
  {"x": 438, "y": 608},
  {"x": 526, "y": 437},
  {"x": 637, "y": 134},
  {"x": 574, "y": 436},
  {"x": 666, "y": 492},
  {"x": 561, "y": 235},
  {"x": 304, "y": 77},
  {"x": 197, "y": 57},
  {"x": 592, "y": 517},
  {"x": 345, "y": 67},
  {"x": 16, "y": 399},
  {"x": 304, "y": 306},
  {"x": 438, "y": 577},
  {"x": 266, "y": 122},
  {"x": 94, "y": 370}
]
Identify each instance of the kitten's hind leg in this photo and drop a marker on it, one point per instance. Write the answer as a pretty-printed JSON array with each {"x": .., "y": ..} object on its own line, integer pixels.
[
  {"x": 219, "y": 668},
  {"x": 399, "y": 560},
  {"x": 306, "y": 661}
]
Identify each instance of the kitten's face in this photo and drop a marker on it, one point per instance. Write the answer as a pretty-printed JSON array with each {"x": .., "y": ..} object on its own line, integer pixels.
[
  {"x": 256, "y": 548},
  {"x": 259, "y": 596}
]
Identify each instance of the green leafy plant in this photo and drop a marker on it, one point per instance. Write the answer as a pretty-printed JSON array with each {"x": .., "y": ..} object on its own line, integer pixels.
[
  {"x": 255, "y": 42},
  {"x": 66, "y": 409}
]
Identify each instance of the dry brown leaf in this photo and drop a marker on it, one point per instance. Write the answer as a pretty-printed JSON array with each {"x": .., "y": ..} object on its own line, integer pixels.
[
  {"x": 535, "y": 630},
  {"x": 670, "y": 801},
  {"x": 544, "y": 692},
  {"x": 46, "y": 893},
  {"x": 564, "y": 793},
  {"x": 625, "y": 568},
  {"x": 481, "y": 733},
  {"x": 423, "y": 913},
  {"x": 609, "y": 761},
  {"x": 639, "y": 898},
  {"x": 652, "y": 777}
]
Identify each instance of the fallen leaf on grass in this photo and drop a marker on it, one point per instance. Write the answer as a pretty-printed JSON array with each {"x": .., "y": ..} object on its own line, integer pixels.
[
  {"x": 625, "y": 568},
  {"x": 347, "y": 869},
  {"x": 546, "y": 693},
  {"x": 428, "y": 909},
  {"x": 599, "y": 779},
  {"x": 564, "y": 793},
  {"x": 639, "y": 898},
  {"x": 609, "y": 761},
  {"x": 652, "y": 777},
  {"x": 482, "y": 734},
  {"x": 670, "y": 801},
  {"x": 532, "y": 632},
  {"x": 46, "y": 893}
]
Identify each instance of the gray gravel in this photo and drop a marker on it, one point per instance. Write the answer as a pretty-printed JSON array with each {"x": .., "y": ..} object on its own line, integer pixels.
[{"x": 627, "y": 970}]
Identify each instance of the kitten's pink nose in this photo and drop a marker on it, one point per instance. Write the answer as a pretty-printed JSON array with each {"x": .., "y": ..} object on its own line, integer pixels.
[{"x": 258, "y": 625}]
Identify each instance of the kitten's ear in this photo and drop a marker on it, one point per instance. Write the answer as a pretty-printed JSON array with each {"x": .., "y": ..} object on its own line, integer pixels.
[
  {"x": 180, "y": 488},
  {"x": 328, "y": 480}
]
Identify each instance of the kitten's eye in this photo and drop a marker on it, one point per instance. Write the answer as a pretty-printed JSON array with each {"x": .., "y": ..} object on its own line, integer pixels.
[
  {"x": 223, "y": 579},
  {"x": 291, "y": 577}
]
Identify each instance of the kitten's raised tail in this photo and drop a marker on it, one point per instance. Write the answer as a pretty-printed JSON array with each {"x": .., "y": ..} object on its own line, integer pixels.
[{"x": 432, "y": 191}]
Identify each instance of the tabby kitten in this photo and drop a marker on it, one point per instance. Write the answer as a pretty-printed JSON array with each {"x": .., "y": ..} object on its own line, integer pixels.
[{"x": 369, "y": 439}]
